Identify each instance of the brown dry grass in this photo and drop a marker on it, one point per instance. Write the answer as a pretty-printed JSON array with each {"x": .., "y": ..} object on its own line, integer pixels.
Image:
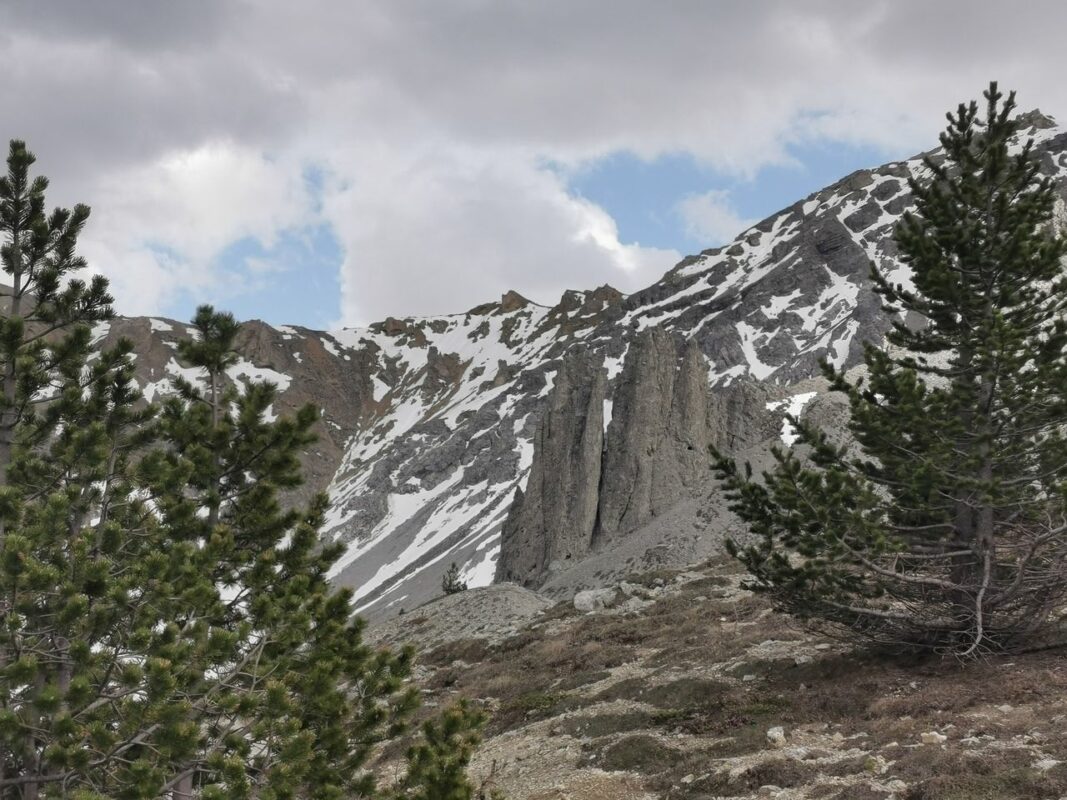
[
  {"x": 986, "y": 777},
  {"x": 781, "y": 772},
  {"x": 547, "y": 671}
]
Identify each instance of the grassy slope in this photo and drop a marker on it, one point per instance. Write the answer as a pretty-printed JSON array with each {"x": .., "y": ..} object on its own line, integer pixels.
[{"x": 672, "y": 694}]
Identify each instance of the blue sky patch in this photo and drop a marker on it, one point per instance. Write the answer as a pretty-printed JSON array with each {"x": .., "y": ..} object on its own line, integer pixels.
[
  {"x": 295, "y": 281},
  {"x": 643, "y": 196}
]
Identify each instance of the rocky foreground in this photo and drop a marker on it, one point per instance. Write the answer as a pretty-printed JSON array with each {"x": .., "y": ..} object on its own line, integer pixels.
[{"x": 681, "y": 684}]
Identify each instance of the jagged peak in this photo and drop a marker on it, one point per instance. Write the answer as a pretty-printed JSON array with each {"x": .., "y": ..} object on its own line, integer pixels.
[
  {"x": 512, "y": 301},
  {"x": 606, "y": 294},
  {"x": 589, "y": 300},
  {"x": 1035, "y": 119}
]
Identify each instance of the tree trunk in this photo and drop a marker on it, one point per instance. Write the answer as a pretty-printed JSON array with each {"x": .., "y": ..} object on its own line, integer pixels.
[
  {"x": 183, "y": 790},
  {"x": 8, "y": 415},
  {"x": 213, "y": 511}
]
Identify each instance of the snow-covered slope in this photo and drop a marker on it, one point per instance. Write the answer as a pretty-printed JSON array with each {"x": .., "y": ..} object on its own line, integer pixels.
[
  {"x": 429, "y": 476},
  {"x": 428, "y": 423}
]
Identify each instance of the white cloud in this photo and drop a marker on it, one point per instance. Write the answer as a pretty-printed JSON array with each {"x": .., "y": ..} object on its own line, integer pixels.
[
  {"x": 453, "y": 221},
  {"x": 709, "y": 217},
  {"x": 160, "y": 227},
  {"x": 431, "y": 120}
]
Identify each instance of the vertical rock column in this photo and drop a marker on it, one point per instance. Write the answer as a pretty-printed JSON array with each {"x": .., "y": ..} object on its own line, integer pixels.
[
  {"x": 552, "y": 521},
  {"x": 657, "y": 443}
]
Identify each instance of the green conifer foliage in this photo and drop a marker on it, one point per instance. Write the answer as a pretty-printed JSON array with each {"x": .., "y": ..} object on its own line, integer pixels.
[
  {"x": 437, "y": 765},
  {"x": 451, "y": 582},
  {"x": 166, "y": 626},
  {"x": 284, "y": 695},
  {"x": 945, "y": 525}
]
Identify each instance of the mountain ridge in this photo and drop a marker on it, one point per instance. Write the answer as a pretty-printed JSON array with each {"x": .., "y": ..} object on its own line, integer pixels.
[{"x": 429, "y": 423}]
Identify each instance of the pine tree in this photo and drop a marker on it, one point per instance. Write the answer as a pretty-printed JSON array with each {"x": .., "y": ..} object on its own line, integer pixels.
[
  {"x": 166, "y": 626},
  {"x": 265, "y": 651},
  {"x": 44, "y": 330},
  {"x": 945, "y": 525},
  {"x": 437, "y": 765},
  {"x": 66, "y": 429},
  {"x": 451, "y": 582}
]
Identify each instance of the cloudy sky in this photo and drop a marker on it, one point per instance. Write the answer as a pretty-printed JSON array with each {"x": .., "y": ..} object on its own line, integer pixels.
[{"x": 329, "y": 162}]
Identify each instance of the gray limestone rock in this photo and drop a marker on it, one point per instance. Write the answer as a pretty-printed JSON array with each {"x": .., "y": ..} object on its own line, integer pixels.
[
  {"x": 591, "y": 600},
  {"x": 551, "y": 522},
  {"x": 657, "y": 442}
]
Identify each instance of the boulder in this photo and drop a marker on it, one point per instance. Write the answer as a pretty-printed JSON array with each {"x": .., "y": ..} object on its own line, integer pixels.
[{"x": 594, "y": 600}]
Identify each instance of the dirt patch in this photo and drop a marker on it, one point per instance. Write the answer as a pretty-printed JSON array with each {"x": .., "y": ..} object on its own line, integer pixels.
[
  {"x": 680, "y": 695},
  {"x": 858, "y": 792},
  {"x": 970, "y": 775},
  {"x": 1019, "y": 783},
  {"x": 491, "y": 613},
  {"x": 530, "y": 675},
  {"x": 596, "y": 726},
  {"x": 467, "y": 650},
  {"x": 688, "y": 694},
  {"x": 784, "y": 773},
  {"x": 530, "y": 707},
  {"x": 580, "y": 679},
  {"x": 639, "y": 753}
]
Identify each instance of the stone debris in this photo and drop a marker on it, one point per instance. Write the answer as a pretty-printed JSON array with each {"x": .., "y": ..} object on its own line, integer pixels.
[
  {"x": 648, "y": 722},
  {"x": 594, "y": 600},
  {"x": 776, "y": 736}
]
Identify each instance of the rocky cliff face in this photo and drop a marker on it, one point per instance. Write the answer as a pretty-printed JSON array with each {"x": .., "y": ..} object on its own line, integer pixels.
[
  {"x": 552, "y": 521},
  {"x": 588, "y": 490},
  {"x": 657, "y": 442},
  {"x": 432, "y": 426}
]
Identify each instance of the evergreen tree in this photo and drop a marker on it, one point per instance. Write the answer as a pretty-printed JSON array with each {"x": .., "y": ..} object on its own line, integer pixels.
[
  {"x": 66, "y": 431},
  {"x": 286, "y": 697},
  {"x": 166, "y": 626},
  {"x": 945, "y": 525},
  {"x": 47, "y": 310},
  {"x": 451, "y": 583},
  {"x": 437, "y": 765}
]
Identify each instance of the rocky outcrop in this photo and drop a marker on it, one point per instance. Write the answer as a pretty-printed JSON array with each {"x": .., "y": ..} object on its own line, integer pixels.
[
  {"x": 739, "y": 418},
  {"x": 552, "y": 521},
  {"x": 443, "y": 374},
  {"x": 657, "y": 441},
  {"x": 295, "y": 359},
  {"x": 590, "y": 490}
]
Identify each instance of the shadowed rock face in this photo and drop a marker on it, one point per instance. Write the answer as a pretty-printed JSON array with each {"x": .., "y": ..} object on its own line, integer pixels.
[
  {"x": 588, "y": 491},
  {"x": 552, "y": 521},
  {"x": 657, "y": 442}
]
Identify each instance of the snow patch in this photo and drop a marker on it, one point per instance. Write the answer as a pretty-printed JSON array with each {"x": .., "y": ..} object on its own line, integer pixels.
[
  {"x": 331, "y": 348},
  {"x": 793, "y": 406},
  {"x": 483, "y": 571},
  {"x": 780, "y": 303},
  {"x": 750, "y": 338},
  {"x": 100, "y": 332},
  {"x": 248, "y": 370},
  {"x": 381, "y": 388}
]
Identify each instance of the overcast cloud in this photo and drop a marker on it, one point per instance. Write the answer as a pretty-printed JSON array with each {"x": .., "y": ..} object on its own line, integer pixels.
[{"x": 442, "y": 131}]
